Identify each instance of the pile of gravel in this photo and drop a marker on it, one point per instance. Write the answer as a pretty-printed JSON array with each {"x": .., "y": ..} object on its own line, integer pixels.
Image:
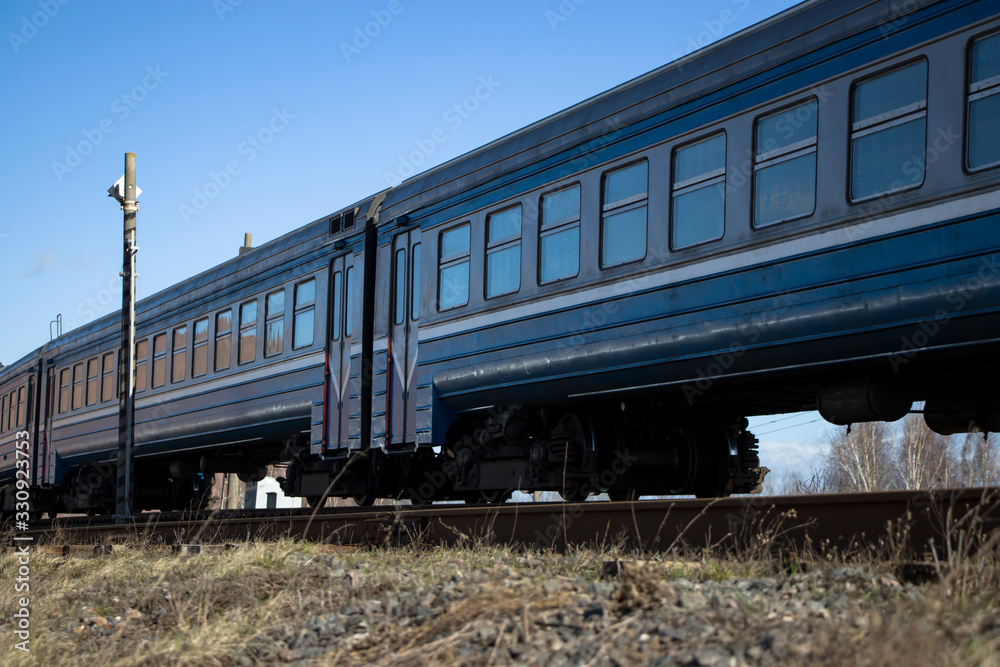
[{"x": 524, "y": 614}]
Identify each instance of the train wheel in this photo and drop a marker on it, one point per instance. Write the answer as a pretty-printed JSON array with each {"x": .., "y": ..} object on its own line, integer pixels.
[
  {"x": 495, "y": 497},
  {"x": 622, "y": 495},
  {"x": 712, "y": 477},
  {"x": 574, "y": 493}
]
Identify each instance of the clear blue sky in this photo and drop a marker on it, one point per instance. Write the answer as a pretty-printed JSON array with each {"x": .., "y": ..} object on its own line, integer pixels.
[{"x": 307, "y": 111}]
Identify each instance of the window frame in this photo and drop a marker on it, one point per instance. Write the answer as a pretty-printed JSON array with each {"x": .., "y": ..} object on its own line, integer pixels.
[
  {"x": 200, "y": 347},
  {"x": 92, "y": 395},
  {"x": 399, "y": 287},
  {"x": 22, "y": 406},
  {"x": 4, "y": 412},
  {"x": 704, "y": 180},
  {"x": 888, "y": 120},
  {"x": 65, "y": 385},
  {"x": 415, "y": 259},
  {"x": 274, "y": 319},
  {"x": 500, "y": 245},
  {"x": 178, "y": 353},
  {"x": 160, "y": 357},
  {"x": 451, "y": 261},
  {"x": 560, "y": 226},
  {"x": 620, "y": 206},
  {"x": 246, "y": 330},
  {"x": 775, "y": 157},
  {"x": 223, "y": 338},
  {"x": 108, "y": 375},
  {"x": 79, "y": 379},
  {"x": 142, "y": 364},
  {"x": 975, "y": 91},
  {"x": 300, "y": 309}
]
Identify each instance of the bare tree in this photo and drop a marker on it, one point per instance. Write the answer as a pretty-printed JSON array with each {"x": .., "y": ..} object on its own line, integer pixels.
[
  {"x": 923, "y": 459},
  {"x": 861, "y": 459},
  {"x": 979, "y": 460}
]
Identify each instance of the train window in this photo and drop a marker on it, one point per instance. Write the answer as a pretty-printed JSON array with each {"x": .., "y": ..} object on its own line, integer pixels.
[
  {"x": 698, "y": 203},
  {"x": 338, "y": 304},
  {"x": 415, "y": 283},
  {"x": 178, "y": 360},
  {"x": 159, "y": 360},
  {"x": 304, "y": 324},
  {"x": 785, "y": 165},
  {"x": 93, "y": 380},
  {"x": 399, "y": 287},
  {"x": 4, "y": 413},
  {"x": 503, "y": 252},
  {"x": 349, "y": 302},
  {"x": 453, "y": 267},
  {"x": 983, "y": 148},
  {"x": 141, "y": 364},
  {"x": 64, "y": 390},
  {"x": 223, "y": 339},
  {"x": 77, "y": 386},
  {"x": 559, "y": 235},
  {"x": 274, "y": 323},
  {"x": 623, "y": 215},
  {"x": 108, "y": 376},
  {"x": 888, "y": 132},
  {"x": 22, "y": 407},
  {"x": 199, "y": 350},
  {"x": 248, "y": 332}
]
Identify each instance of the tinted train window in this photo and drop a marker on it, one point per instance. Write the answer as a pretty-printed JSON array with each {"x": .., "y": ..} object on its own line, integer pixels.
[
  {"x": 93, "y": 378},
  {"x": 399, "y": 287},
  {"x": 4, "y": 413},
  {"x": 274, "y": 324},
  {"x": 623, "y": 215},
  {"x": 223, "y": 339},
  {"x": 349, "y": 302},
  {"x": 983, "y": 148},
  {"x": 559, "y": 235},
  {"x": 248, "y": 332},
  {"x": 698, "y": 205},
  {"x": 304, "y": 324},
  {"x": 159, "y": 360},
  {"x": 415, "y": 283},
  {"x": 141, "y": 364},
  {"x": 22, "y": 407},
  {"x": 108, "y": 377},
  {"x": 785, "y": 165},
  {"x": 64, "y": 387},
  {"x": 77, "y": 386},
  {"x": 338, "y": 305},
  {"x": 178, "y": 362},
  {"x": 453, "y": 267},
  {"x": 199, "y": 351},
  {"x": 888, "y": 130},
  {"x": 503, "y": 252}
]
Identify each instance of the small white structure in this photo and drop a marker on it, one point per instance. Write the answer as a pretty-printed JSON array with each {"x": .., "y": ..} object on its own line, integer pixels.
[{"x": 270, "y": 496}]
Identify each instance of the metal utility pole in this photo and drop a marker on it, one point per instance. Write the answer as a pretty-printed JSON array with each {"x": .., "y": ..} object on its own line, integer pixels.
[{"x": 125, "y": 191}]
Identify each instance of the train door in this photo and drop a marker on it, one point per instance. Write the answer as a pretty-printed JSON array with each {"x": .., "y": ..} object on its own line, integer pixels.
[
  {"x": 404, "y": 313},
  {"x": 343, "y": 331}
]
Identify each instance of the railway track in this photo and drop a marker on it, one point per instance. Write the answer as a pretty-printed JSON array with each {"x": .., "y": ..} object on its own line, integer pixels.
[{"x": 904, "y": 523}]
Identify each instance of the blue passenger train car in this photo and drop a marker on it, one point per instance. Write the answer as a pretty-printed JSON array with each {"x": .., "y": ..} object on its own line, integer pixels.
[{"x": 805, "y": 215}]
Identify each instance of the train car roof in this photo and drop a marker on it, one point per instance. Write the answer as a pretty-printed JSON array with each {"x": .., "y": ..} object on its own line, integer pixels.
[
  {"x": 801, "y": 28},
  {"x": 315, "y": 229}
]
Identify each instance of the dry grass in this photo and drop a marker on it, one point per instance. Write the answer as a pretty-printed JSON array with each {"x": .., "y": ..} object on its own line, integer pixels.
[{"x": 423, "y": 605}]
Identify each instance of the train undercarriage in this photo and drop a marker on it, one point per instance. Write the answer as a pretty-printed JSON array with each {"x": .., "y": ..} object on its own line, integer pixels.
[{"x": 626, "y": 451}]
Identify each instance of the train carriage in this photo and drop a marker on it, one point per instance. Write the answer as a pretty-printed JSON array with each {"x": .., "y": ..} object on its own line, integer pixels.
[{"x": 801, "y": 216}]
